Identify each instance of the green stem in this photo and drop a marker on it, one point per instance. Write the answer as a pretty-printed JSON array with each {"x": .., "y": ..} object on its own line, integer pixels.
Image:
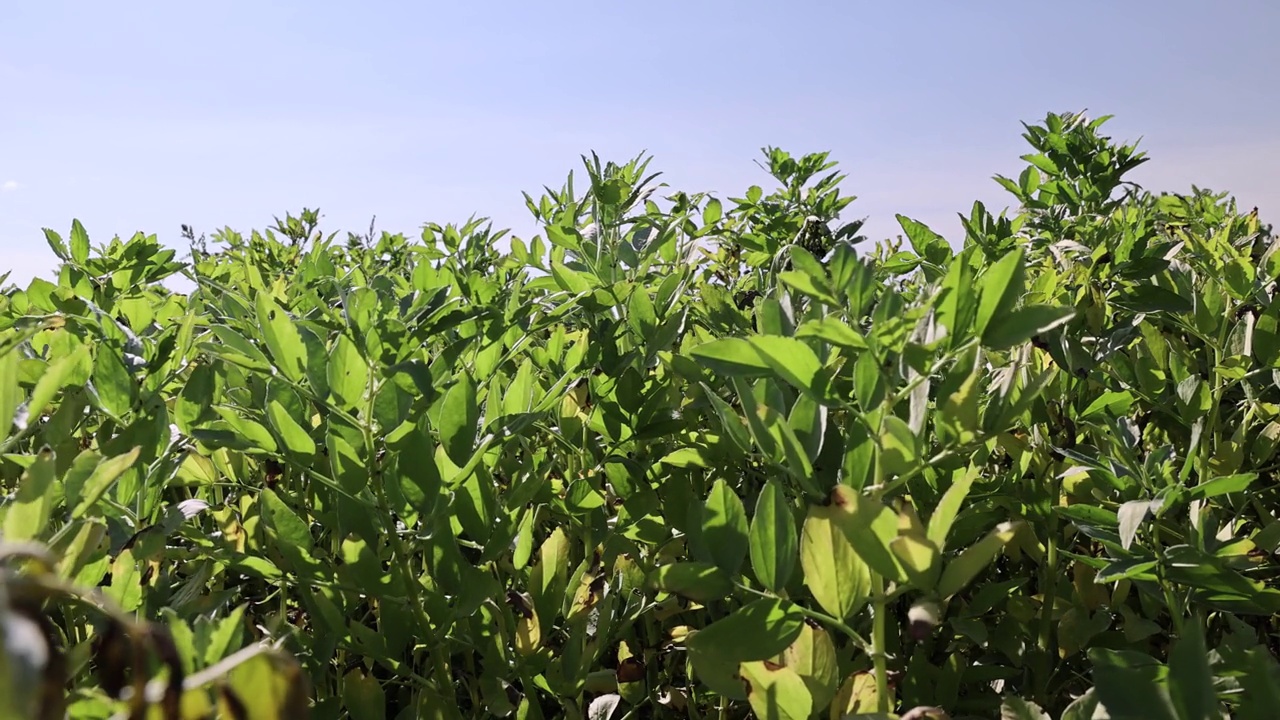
[
  {"x": 1175, "y": 609},
  {"x": 440, "y": 671},
  {"x": 1049, "y": 594},
  {"x": 880, "y": 623},
  {"x": 879, "y": 653},
  {"x": 821, "y": 617}
]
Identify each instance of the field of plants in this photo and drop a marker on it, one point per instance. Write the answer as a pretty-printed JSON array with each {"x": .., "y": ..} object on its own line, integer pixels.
[{"x": 675, "y": 457}]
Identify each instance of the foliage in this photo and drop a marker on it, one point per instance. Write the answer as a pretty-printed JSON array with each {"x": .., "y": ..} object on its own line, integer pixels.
[{"x": 672, "y": 457}]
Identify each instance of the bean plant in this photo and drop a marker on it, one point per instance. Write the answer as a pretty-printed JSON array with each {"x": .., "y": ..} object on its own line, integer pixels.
[{"x": 674, "y": 456}]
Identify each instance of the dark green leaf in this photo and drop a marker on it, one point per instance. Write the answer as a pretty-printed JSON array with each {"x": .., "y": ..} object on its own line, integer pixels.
[
  {"x": 1012, "y": 328},
  {"x": 459, "y": 420}
]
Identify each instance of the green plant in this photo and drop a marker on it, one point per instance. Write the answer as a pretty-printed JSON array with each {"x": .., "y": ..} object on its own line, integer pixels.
[{"x": 674, "y": 457}]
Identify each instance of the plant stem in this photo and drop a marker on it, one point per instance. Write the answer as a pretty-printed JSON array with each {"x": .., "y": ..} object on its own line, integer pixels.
[
  {"x": 879, "y": 653},
  {"x": 1049, "y": 593},
  {"x": 821, "y": 617},
  {"x": 879, "y": 603}
]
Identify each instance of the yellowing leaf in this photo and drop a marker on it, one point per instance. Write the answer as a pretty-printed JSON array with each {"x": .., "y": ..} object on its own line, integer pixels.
[
  {"x": 813, "y": 657},
  {"x": 919, "y": 558},
  {"x": 528, "y": 634},
  {"x": 857, "y": 696},
  {"x": 839, "y": 580},
  {"x": 776, "y": 692},
  {"x": 870, "y": 526}
]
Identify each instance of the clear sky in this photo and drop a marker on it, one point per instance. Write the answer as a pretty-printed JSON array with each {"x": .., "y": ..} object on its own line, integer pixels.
[{"x": 138, "y": 115}]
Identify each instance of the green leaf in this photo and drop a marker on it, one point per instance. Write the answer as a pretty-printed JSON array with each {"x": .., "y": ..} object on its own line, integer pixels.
[
  {"x": 1117, "y": 570},
  {"x": 1084, "y": 707},
  {"x": 686, "y": 458},
  {"x": 833, "y": 330},
  {"x": 1191, "y": 681},
  {"x": 348, "y": 374},
  {"x": 459, "y": 420},
  {"x": 712, "y": 212},
  {"x": 698, "y": 581},
  {"x": 57, "y": 245},
  {"x": 1015, "y": 708},
  {"x": 774, "y": 545},
  {"x": 347, "y": 465},
  {"x": 776, "y": 692},
  {"x": 1222, "y": 486},
  {"x": 1019, "y": 326},
  {"x": 756, "y": 631},
  {"x": 899, "y": 451},
  {"x": 267, "y": 687},
  {"x": 1117, "y": 403},
  {"x": 195, "y": 398},
  {"x": 958, "y": 416},
  {"x": 641, "y": 315},
  {"x": 1261, "y": 684},
  {"x": 253, "y": 432},
  {"x": 806, "y": 284},
  {"x": 115, "y": 385},
  {"x": 964, "y": 568},
  {"x": 296, "y": 438},
  {"x": 236, "y": 349},
  {"x": 289, "y": 528},
  {"x": 724, "y": 528},
  {"x": 79, "y": 243},
  {"x": 920, "y": 559},
  {"x": 363, "y": 696},
  {"x": 1043, "y": 162},
  {"x": 1000, "y": 288},
  {"x": 789, "y": 359},
  {"x": 923, "y": 240},
  {"x": 11, "y": 394},
  {"x": 569, "y": 280},
  {"x": 955, "y": 306},
  {"x": 282, "y": 338},
  {"x": 519, "y": 397},
  {"x": 1126, "y": 685},
  {"x": 27, "y": 514},
  {"x": 839, "y": 580},
  {"x": 718, "y": 672},
  {"x": 524, "y": 541},
  {"x": 103, "y": 477},
  {"x": 582, "y": 497},
  {"x": 944, "y": 515},
  {"x": 732, "y": 357},
  {"x": 1147, "y": 298},
  {"x": 421, "y": 483},
  {"x": 55, "y": 377}
]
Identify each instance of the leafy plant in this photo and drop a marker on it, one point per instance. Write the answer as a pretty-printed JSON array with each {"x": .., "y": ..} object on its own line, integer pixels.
[{"x": 672, "y": 457}]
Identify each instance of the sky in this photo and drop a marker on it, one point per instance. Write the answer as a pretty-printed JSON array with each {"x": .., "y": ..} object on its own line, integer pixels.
[{"x": 142, "y": 116}]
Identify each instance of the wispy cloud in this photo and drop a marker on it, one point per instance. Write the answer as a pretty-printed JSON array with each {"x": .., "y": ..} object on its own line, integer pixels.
[{"x": 10, "y": 186}]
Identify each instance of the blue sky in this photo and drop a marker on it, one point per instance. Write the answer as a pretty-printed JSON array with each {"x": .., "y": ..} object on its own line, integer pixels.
[{"x": 142, "y": 115}]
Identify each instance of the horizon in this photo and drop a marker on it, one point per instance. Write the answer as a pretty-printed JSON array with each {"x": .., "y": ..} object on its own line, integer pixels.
[{"x": 145, "y": 118}]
